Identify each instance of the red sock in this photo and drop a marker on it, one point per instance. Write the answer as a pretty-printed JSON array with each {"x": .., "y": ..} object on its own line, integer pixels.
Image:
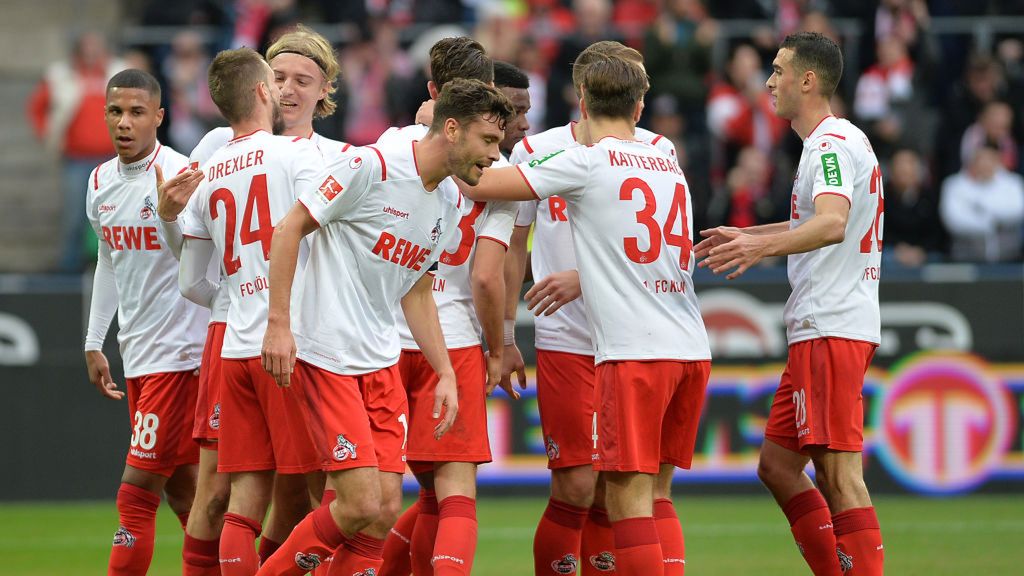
[
  {"x": 424, "y": 534},
  {"x": 397, "y": 545},
  {"x": 325, "y": 564},
  {"x": 183, "y": 519},
  {"x": 811, "y": 524},
  {"x": 670, "y": 534},
  {"x": 637, "y": 550},
  {"x": 455, "y": 544},
  {"x": 237, "y": 546},
  {"x": 859, "y": 542},
  {"x": 360, "y": 555},
  {"x": 310, "y": 542},
  {"x": 597, "y": 544},
  {"x": 267, "y": 548},
  {"x": 556, "y": 545},
  {"x": 200, "y": 557},
  {"x": 133, "y": 542}
]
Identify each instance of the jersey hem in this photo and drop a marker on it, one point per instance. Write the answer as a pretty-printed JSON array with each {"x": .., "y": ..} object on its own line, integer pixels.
[
  {"x": 341, "y": 371},
  {"x": 624, "y": 358},
  {"x": 836, "y": 336},
  {"x": 168, "y": 369},
  {"x": 564, "y": 349}
]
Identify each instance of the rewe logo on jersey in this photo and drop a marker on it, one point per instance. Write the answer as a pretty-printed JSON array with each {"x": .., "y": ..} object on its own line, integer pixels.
[
  {"x": 830, "y": 164},
  {"x": 131, "y": 237},
  {"x": 400, "y": 251}
]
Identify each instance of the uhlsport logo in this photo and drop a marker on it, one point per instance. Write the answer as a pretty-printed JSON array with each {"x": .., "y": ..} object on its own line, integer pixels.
[
  {"x": 552, "y": 448},
  {"x": 307, "y": 562},
  {"x": 344, "y": 449},
  {"x": 845, "y": 561},
  {"x": 215, "y": 417},
  {"x": 565, "y": 565},
  {"x": 604, "y": 562},
  {"x": 124, "y": 538},
  {"x": 945, "y": 424}
]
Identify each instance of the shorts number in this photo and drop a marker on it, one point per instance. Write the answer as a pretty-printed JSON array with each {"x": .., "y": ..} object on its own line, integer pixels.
[
  {"x": 645, "y": 216},
  {"x": 405, "y": 429},
  {"x": 800, "y": 403},
  {"x": 144, "y": 433}
]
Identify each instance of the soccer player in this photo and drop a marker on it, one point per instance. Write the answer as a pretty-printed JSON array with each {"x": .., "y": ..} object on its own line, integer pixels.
[
  {"x": 382, "y": 220},
  {"x": 469, "y": 289},
  {"x": 630, "y": 209},
  {"x": 305, "y": 69},
  {"x": 833, "y": 241},
  {"x": 574, "y": 527},
  {"x": 161, "y": 333}
]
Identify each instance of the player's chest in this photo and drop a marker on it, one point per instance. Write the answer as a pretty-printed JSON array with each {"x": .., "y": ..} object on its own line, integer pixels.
[
  {"x": 801, "y": 195},
  {"x": 128, "y": 219},
  {"x": 408, "y": 230}
]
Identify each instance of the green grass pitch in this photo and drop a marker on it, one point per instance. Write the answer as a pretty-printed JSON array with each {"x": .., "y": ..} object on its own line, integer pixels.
[{"x": 970, "y": 536}]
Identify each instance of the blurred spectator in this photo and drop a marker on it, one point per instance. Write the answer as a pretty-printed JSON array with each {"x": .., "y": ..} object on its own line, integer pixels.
[
  {"x": 530, "y": 60},
  {"x": 983, "y": 83},
  {"x": 368, "y": 68},
  {"x": 593, "y": 23},
  {"x": 883, "y": 91},
  {"x": 677, "y": 54},
  {"x": 66, "y": 111},
  {"x": 740, "y": 112},
  {"x": 912, "y": 228},
  {"x": 994, "y": 129},
  {"x": 191, "y": 109},
  {"x": 901, "y": 19},
  {"x": 983, "y": 209},
  {"x": 748, "y": 185}
]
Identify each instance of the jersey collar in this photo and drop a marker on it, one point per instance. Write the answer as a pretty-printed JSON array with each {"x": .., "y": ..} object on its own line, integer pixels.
[
  {"x": 140, "y": 167},
  {"x": 810, "y": 136}
]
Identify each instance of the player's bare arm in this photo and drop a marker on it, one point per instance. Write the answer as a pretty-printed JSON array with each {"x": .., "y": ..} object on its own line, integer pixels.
[
  {"x": 193, "y": 284},
  {"x": 516, "y": 264},
  {"x": 553, "y": 292},
  {"x": 488, "y": 282},
  {"x": 741, "y": 250},
  {"x": 501, "y": 184},
  {"x": 278, "y": 342},
  {"x": 421, "y": 316}
]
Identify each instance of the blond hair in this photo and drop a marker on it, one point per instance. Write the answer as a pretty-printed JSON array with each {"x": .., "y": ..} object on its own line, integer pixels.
[{"x": 306, "y": 42}]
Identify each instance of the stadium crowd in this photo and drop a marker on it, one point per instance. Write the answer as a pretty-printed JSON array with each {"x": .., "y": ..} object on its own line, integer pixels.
[{"x": 943, "y": 111}]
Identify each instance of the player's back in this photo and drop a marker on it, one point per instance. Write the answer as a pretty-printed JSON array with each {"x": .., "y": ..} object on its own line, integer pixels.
[
  {"x": 251, "y": 183},
  {"x": 835, "y": 288},
  {"x": 631, "y": 217}
]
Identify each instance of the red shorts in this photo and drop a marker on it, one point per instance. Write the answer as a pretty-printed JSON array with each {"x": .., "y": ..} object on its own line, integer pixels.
[
  {"x": 647, "y": 413},
  {"x": 162, "y": 407},
  {"x": 819, "y": 401},
  {"x": 565, "y": 398},
  {"x": 356, "y": 421},
  {"x": 211, "y": 374},
  {"x": 263, "y": 424},
  {"x": 466, "y": 441}
]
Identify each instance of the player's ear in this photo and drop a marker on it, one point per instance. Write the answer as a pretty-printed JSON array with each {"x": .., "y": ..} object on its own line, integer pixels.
[
  {"x": 639, "y": 111},
  {"x": 432, "y": 89},
  {"x": 584, "y": 114},
  {"x": 159, "y": 116},
  {"x": 451, "y": 128},
  {"x": 810, "y": 80}
]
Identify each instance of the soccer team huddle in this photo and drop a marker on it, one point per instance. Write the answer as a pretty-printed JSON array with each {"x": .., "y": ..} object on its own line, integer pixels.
[{"x": 302, "y": 319}]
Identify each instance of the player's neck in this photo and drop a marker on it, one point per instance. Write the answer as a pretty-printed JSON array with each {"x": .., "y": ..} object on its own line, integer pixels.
[
  {"x": 249, "y": 126},
  {"x": 810, "y": 117},
  {"x": 300, "y": 131},
  {"x": 431, "y": 155},
  {"x": 140, "y": 156},
  {"x": 598, "y": 128}
]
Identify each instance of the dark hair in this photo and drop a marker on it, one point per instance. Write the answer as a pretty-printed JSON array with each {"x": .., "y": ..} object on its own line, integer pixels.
[
  {"x": 468, "y": 101},
  {"x": 233, "y": 76},
  {"x": 134, "y": 78},
  {"x": 612, "y": 86},
  {"x": 459, "y": 57},
  {"x": 600, "y": 51},
  {"x": 819, "y": 54},
  {"x": 508, "y": 76}
]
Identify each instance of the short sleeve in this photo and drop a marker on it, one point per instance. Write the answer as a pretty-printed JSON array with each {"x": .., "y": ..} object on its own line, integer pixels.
[
  {"x": 193, "y": 224},
  {"x": 519, "y": 153},
  {"x": 498, "y": 220},
  {"x": 527, "y": 213},
  {"x": 214, "y": 140},
  {"x": 345, "y": 182},
  {"x": 308, "y": 168},
  {"x": 832, "y": 168},
  {"x": 562, "y": 173},
  {"x": 91, "y": 211},
  {"x": 402, "y": 135}
]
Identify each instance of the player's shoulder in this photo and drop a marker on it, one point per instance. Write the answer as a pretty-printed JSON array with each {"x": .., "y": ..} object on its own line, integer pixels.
[
  {"x": 657, "y": 140},
  {"x": 839, "y": 133},
  {"x": 365, "y": 162},
  {"x": 102, "y": 174},
  {"x": 402, "y": 134},
  {"x": 450, "y": 195},
  {"x": 171, "y": 161},
  {"x": 550, "y": 140},
  {"x": 329, "y": 147},
  {"x": 213, "y": 140}
]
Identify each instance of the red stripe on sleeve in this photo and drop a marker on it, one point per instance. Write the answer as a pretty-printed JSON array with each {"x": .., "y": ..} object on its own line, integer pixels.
[
  {"x": 526, "y": 144},
  {"x": 656, "y": 138},
  {"x": 525, "y": 179},
  {"x": 834, "y": 135},
  {"x": 383, "y": 165},
  {"x": 843, "y": 196},
  {"x": 310, "y": 212},
  {"x": 493, "y": 240},
  {"x": 96, "y": 177}
]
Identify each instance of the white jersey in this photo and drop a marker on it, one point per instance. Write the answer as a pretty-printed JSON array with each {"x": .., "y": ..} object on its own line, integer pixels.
[
  {"x": 215, "y": 140},
  {"x": 835, "y": 288},
  {"x": 380, "y": 231},
  {"x": 160, "y": 331},
  {"x": 630, "y": 213},
  {"x": 250, "y": 184},
  {"x": 566, "y": 330}
]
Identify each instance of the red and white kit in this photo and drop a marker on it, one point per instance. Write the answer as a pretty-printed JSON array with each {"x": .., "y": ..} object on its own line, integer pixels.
[
  {"x": 380, "y": 231},
  {"x": 630, "y": 220},
  {"x": 565, "y": 351},
  {"x": 161, "y": 333},
  {"x": 833, "y": 309},
  {"x": 251, "y": 183},
  {"x": 467, "y": 440}
]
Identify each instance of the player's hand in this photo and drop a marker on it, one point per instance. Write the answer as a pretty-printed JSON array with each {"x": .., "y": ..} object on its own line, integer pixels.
[
  {"x": 739, "y": 253},
  {"x": 99, "y": 374},
  {"x": 425, "y": 114},
  {"x": 553, "y": 292},
  {"x": 713, "y": 237},
  {"x": 173, "y": 195},
  {"x": 278, "y": 353},
  {"x": 512, "y": 363},
  {"x": 446, "y": 399},
  {"x": 495, "y": 363}
]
